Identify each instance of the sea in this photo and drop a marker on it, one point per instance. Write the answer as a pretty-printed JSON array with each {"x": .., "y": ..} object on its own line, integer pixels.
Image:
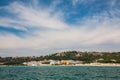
[{"x": 59, "y": 73}]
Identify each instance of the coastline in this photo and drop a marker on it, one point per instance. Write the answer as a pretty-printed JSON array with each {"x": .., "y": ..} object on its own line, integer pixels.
[
  {"x": 91, "y": 64},
  {"x": 98, "y": 64}
]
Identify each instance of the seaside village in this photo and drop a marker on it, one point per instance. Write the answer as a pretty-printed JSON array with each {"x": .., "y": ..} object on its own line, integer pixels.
[
  {"x": 52, "y": 62},
  {"x": 65, "y": 63}
]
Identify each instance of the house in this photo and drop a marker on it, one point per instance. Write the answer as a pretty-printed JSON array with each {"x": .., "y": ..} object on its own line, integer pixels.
[
  {"x": 65, "y": 62},
  {"x": 71, "y": 62},
  {"x": 53, "y": 62},
  {"x": 45, "y": 62},
  {"x": 32, "y": 63}
]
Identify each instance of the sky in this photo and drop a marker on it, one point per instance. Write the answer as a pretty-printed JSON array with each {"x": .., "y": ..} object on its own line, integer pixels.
[{"x": 40, "y": 27}]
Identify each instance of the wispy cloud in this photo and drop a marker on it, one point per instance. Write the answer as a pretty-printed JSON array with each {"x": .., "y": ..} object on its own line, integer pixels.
[
  {"x": 83, "y": 2},
  {"x": 53, "y": 32},
  {"x": 28, "y": 16}
]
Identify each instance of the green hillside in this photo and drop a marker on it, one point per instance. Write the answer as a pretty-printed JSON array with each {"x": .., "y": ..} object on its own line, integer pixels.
[{"x": 86, "y": 57}]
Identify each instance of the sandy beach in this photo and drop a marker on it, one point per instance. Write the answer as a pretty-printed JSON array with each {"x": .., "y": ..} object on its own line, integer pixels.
[
  {"x": 91, "y": 64},
  {"x": 98, "y": 64}
]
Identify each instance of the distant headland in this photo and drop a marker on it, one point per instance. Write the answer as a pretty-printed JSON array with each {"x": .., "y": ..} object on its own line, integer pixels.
[{"x": 74, "y": 58}]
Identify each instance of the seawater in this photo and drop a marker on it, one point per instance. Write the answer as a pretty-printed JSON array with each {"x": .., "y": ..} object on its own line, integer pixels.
[{"x": 59, "y": 73}]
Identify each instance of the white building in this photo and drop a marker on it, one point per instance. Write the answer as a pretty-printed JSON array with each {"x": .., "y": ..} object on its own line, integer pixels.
[
  {"x": 32, "y": 63},
  {"x": 53, "y": 62}
]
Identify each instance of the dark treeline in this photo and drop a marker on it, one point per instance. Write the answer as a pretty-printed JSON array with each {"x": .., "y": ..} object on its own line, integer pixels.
[{"x": 86, "y": 57}]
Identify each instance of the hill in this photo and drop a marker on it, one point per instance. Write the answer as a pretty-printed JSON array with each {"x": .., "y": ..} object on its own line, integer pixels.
[{"x": 86, "y": 57}]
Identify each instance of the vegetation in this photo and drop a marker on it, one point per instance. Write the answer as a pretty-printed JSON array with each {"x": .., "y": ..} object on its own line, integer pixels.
[{"x": 86, "y": 57}]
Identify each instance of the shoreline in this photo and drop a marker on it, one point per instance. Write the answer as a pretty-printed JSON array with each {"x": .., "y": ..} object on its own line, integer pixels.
[
  {"x": 98, "y": 64},
  {"x": 91, "y": 64}
]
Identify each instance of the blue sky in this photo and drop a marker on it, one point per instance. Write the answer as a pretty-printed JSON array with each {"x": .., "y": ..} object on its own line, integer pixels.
[{"x": 40, "y": 27}]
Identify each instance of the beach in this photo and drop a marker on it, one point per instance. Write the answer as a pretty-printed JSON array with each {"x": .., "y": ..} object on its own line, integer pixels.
[
  {"x": 91, "y": 64},
  {"x": 98, "y": 64}
]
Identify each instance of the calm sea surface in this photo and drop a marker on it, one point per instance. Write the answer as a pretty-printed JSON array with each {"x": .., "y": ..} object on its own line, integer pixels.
[{"x": 59, "y": 73}]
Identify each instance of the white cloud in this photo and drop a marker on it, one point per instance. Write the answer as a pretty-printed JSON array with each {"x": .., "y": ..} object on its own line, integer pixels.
[
  {"x": 83, "y": 2},
  {"x": 56, "y": 33},
  {"x": 34, "y": 17}
]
